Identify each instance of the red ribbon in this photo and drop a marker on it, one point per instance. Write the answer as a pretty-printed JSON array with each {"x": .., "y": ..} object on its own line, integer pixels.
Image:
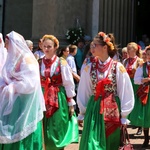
[
  {"x": 51, "y": 98},
  {"x": 100, "y": 91},
  {"x": 46, "y": 90}
]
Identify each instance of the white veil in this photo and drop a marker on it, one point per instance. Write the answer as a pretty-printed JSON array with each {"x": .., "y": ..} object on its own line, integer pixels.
[{"x": 22, "y": 101}]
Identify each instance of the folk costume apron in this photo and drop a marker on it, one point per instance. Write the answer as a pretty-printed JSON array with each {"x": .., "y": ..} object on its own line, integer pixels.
[{"x": 102, "y": 118}]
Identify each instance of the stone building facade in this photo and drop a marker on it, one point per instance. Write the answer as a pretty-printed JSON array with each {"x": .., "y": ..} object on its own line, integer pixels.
[{"x": 34, "y": 18}]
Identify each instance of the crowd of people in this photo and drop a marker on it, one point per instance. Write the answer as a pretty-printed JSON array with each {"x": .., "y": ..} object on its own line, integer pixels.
[{"x": 47, "y": 94}]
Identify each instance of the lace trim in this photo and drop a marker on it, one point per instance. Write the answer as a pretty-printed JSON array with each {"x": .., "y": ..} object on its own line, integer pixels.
[{"x": 23, "y": 134}]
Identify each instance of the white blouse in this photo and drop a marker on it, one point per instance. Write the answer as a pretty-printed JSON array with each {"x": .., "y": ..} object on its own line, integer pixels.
[
  {"x": 71, "y": 62},
  {"x": 139, "y": 75}
]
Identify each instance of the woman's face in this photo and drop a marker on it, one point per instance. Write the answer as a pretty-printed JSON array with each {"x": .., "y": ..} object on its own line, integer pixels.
[
  {"x": 66, "y": 52},
  {"x": 96, "y": 49},
  {"x": 48, "y": 48},
  {"x": 144, "y": 56},
  {"x": 131, "y": 50},
  {"x": 75, "y": 52},
  {"x": 148, "y": 55},
  {"x": 124, "y": 55}
]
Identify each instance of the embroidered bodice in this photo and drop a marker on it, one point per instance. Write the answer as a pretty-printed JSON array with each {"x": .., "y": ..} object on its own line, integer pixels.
[
  {"x": 56, "y": 78},
  {"x": 111, "y": 86},
  {"x": 131, "y": 65}
]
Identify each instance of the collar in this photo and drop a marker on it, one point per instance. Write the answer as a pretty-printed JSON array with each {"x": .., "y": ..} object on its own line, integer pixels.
[{"x": 106, "y": 61}]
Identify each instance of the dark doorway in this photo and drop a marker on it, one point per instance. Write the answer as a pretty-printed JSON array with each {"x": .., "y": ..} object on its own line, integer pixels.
[{"x": 142, "y": 17}]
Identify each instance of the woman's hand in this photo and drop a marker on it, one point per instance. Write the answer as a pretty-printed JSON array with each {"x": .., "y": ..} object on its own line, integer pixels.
[
  {"x": 144, "y": 80},
  {"x": 76, "y": 76},
  {"x": 71, "y": 111},
  {"x": 80, "y": 123}
]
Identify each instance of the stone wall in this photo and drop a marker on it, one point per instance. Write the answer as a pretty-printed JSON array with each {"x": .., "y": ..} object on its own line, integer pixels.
[
  {"x": 18, "y": 17},
  {"x": 34, "y": 18},
  {"x": 56, "y": 16}
]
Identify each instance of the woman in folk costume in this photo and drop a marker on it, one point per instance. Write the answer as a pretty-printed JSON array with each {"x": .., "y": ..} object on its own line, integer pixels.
[
  {"x": 3, "y": 52},
  {"x": 22, "y": 101},
  {"x": 60, "y": 122},
  {"x": 142, "y": 110},
  {"x": 131, "y": 64},
  {"x": 102, "y": 99}
]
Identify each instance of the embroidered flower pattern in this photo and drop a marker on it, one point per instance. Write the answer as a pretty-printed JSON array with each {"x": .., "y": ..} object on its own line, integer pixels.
[{"x": 110, "y": 88}]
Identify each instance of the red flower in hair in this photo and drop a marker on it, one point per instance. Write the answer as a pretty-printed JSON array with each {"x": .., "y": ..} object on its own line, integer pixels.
[
  {"x": 106, "y": 39},
  {"x": 139, "y": 47}
]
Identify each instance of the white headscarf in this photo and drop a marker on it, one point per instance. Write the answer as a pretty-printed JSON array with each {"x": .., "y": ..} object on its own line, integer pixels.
[
  {"x": 3, "y": 52},
  {"x": 22, "y": 101}
]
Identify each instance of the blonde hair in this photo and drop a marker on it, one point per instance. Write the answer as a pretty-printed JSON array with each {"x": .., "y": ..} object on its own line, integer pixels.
[
  {"x": 136, "y": 47},
  {"x": 52, "y": 38},
  {"x": 124, "y": 49}
]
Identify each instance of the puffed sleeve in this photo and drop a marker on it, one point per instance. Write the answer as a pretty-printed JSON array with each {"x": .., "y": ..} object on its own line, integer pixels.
[
  {"x": 84, "y": 91},
  {"x": 68, "y": 82},
  {"x": 125, "y": 92},
  {"x": 138, "y": 75}
]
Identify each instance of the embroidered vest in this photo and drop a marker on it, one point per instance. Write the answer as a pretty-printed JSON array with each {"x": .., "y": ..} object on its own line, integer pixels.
[
  {"x": 143, "y": 90},
  {"x": 132, "y": 72},
  {"x": 107, "y": 90}
]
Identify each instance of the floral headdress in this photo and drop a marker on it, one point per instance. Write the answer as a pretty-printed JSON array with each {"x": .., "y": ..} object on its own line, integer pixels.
[{"x": 107, "y": 40}]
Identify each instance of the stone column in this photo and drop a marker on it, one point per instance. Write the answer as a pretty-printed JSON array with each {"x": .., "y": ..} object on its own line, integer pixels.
[{"x": 95, "y": 17}]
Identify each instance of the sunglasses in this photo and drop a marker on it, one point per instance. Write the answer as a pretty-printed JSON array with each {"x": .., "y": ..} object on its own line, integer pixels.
[{"x": 93, "y": 45}]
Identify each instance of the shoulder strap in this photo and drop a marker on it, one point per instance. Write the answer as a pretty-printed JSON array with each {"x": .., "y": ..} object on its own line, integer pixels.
[{"x": 144, "y": 70}]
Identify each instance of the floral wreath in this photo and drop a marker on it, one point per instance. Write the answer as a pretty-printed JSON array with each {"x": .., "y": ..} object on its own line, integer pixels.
[
  {"x": 107, "y": 40},
  {"x": 74, "y": 34}
]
